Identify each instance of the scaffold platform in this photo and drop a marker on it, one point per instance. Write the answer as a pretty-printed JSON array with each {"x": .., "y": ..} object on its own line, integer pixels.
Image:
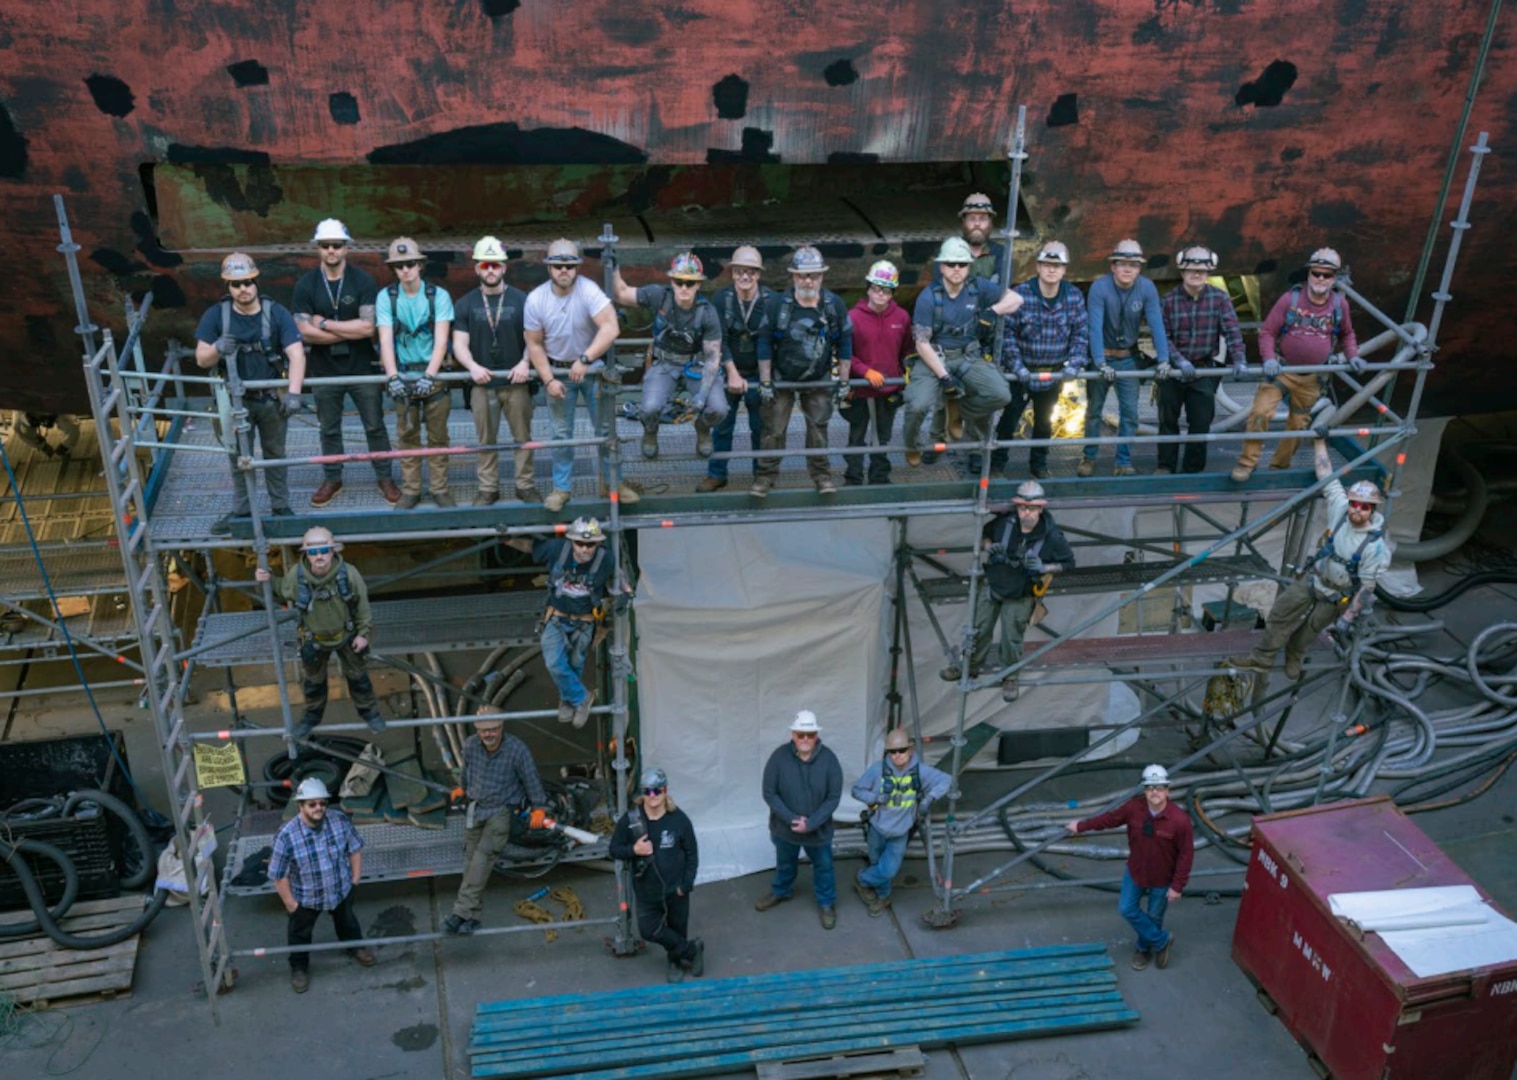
[{"x": 1110, "y": 579}]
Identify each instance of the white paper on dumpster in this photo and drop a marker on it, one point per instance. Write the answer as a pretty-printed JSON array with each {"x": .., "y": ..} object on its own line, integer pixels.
[{"x": 1434, "y": 930}]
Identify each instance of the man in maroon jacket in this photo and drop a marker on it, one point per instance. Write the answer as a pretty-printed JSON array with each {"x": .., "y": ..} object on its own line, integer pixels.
[
  {"x": 882, "y": 340},
  {"x": 1161, "y": 848}
]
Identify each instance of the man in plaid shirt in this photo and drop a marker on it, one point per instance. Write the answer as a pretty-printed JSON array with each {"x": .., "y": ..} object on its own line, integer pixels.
[
  {"x": 1047, "y": 341},
  {"x": 316, "y": 861},
  {"x": 1196, "y": 317}
]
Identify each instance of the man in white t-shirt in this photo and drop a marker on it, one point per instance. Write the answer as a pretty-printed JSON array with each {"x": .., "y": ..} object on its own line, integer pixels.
[{"x": 570, "y": 325}]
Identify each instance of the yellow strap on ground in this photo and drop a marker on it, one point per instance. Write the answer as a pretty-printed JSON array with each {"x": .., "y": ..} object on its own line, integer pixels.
[
  {"x": 574, "y": 910},
  {"x": 534, "y": 912}
]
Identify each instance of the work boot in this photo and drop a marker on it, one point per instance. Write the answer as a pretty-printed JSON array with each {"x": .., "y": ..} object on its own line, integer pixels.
[
  {"x": 363, "y": 957},
  {"x": 306, "y": 726},
  {"x": 696, "y": 964},
  {"x": 444, "y": 499},
  {"x": 704, "y": 447},
  {"x": 1140, "y": 960},
  {"x": 878, "y": 906},
  {"x": 457, "y": 924},
  {"x": 326, "y": 492},
  {"x": 1124, "y": 470},
  {"x": 1161, "y": 958},
  {"x": 1241, "y": 473},
  {"x": 408, "y": 501},
  {"x": 650, "y": 443},
  {"x": 1164, "y": 470},
  {"x": 388, "y": 490},
  {"x": 866, "y": 894},
  {"x": 626, "y": 494},
  {"x": 913, "y": 458},
  {"x": 761, "y": 487},
  {"x": 953, "y": 420},
  {"x": 300, "y": 981},
  {"x": 676, "y": 971},
  {"x": 1039, "y": 472},
  {"x": 829, "y": 917},
  {"x": 1009, "y": 689},
  {"x": 825, "y": 486},
  {"x": 951, "y": 673},
  {"x": 1087, "y": 467},
  {"x": 582, "y": 710},
  {"x": 565, "y": 712},
  {"x": 529, "y": 494},
  {"x": 930, "y": 457},
  {"x": 556, "y": 500},
  {"x": 710, "y": 483},
  {"x": 374, "y": 720},
  {"x": 769, "y": 900},
  {"x": 1293, "y": 668},
  {"x": 486, "y": 498},
  {"x": 222, "y": 526},
  {"x": 1250, "y": 662}
]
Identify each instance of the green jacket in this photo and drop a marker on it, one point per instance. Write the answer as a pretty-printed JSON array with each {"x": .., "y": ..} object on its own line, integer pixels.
[{"x": 327, "y": 619}]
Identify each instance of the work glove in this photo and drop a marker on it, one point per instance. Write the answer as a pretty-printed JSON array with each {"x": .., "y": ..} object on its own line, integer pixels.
[
  {"x": 621, "y": 603},
  {"x": 952, "y": 386},
  {"x": 1047, "y": 380},
  {"x": 1108, "y": 373},
  {"x": 1186, "y": 370},
  {"x": 1343, "y": 626},
  {"x": 1322, "y": 431},
  {"x": 876, "y": 378},
  {"x": 290, "y": 404},
  {"x": 1032, "y": 563},
  {"x": 1069, "y": 372},
  {"x": 1271, "y": 369},
  {"x": 995, "y": 553},
  {"x": 537, "y": 818},
  {"x": 1357, "y": 364},
  {"x": 766, "y": 393},
  {"x": 456, "y": 795},
  {"x": 423, "y": 387},
  {"x": 841, "y": 391},
  {"x": 227, "y": 346},
  {"x": 396, "y": 388},
  {"x": 1022, "y": 375},
  {"x": 1240, "y": 369},
  {"x": 1163, "y": 371}
]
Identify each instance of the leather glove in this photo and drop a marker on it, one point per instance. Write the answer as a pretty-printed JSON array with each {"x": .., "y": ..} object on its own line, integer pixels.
[
  {"x": 1032, "y": 563},
  {"x": 290, "y": 404},
  {"x": 1108, "y": 373},
  {"x": 766, "y": 393},
  {"x": 1357, "y": 364},
  {"x": 536, "y": 819},
  {"x": 952, "y": 386},
  {"x": 1271, "y": 369},
  {"x": 876, "y": 378},
  {"x": 1186, "y": 370},
  {"x": 1240, "y": 369},
  {"x": 456, "y": 795},
  {"x": 995, "y": 553},
  {"x": 1069, "y": 372},
  {"x": 396, "y": 388},
  {"x": 1322, "y": 431},
  {"x": 1163, "y": 371}
]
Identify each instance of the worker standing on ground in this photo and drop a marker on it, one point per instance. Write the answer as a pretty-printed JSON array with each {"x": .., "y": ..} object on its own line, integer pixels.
[
  {"x": 260, "y": 337},
  {"x": 1161, "y": 848},
  {"x": 488, "y": 343},
  {"x": 1304, "y": 328},
  {"x": 1338, "y": 583},
  {"x": 334, "y": 308},
  {"x": 316, "y": 861},
  {"x": 1023, "y": 549},
  {"x": 656, "y": 838},
  {"x": 743, "y": 308},
  {"x": 1120, "y": 303},
  {"x": 1199, "y": 318},
  {"x": 897, "y": 790},
  {"x": 810, "y": 340},
  {"x": 882, "y": 340},
  {"x": 1047, "y": 340},
  {"x": 332, "y": 603},
  {"x": 579, "y": 580},
  {"x": 501, "y": 783},
  {"x": 803, "y": 784},
  {"x": 413, "y": 318},
  {"x": 686, "y": 330},
  {"x": 570, "y": 327}
]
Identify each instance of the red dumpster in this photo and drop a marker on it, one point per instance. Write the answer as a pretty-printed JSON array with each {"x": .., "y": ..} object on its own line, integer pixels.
[{"x": 1345, "y": 995}]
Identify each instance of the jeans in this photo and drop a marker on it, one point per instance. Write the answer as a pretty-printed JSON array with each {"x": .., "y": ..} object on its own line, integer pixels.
[
  {"x": 566, "y": 642},
  {"x": 303, "y": 921},
  {"x": 487, "y": 405},
  {"x": 885, "y": 856},
  {"x": 787, "y": 854},
  {"x": 1127, "y": 409},
  {"x": 368, "y": 399},
  {"x": 1198, "y": 401},
  {"x": 1043, "y": 403},
  {"x": 862, "y": 414},
  {"x": 561, "y": 415},
  {"x": 722, "y": 436},
  {"x": 267, "y": 427},
  {"x": 1148, "y": 925}
]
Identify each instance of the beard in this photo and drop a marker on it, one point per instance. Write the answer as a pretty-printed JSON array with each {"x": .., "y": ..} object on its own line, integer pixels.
[
  {"x": 808, "y": 293},
  {"x": 976, "y": 237}
]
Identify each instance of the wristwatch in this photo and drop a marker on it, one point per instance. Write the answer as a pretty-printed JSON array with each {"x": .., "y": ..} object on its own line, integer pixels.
[
  {"x": 584, "y": 359},
  {"x": 321, "y": 322}
]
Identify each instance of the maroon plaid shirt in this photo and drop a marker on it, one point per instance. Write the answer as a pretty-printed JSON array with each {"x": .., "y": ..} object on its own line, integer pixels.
[{"x": 1193, "y": 326}]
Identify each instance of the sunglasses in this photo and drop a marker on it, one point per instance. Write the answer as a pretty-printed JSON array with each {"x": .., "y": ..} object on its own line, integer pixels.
[
  {"x": 331, "y": 246},
  {"x": 583, "y": 543},
  {"x": 314, "y": 802},
  {"x": 805, "y": 736},
  {"x": 653, "y": 791},
  {"x": 902, "y": 750},
  {"x": 324, "y": 549},
  {"x": 1323, "y": 275},
  {"x": 1353, "y": 505},
  {"x": 687, "y": 284},
  {"x": 955, "y": 266},
  {"x": 490, "y": 266},
  {"x": 407, "y": 265},
  {"x": 242, "y": 284},
  {"x": 744, "y": 271}
]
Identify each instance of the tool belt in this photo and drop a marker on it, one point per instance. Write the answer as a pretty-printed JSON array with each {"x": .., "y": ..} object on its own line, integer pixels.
[
  {"x": 553, "y": 613},
  {"x": 1115, "y": 354},
  {"x": 1331, "y": 593},
  {"x": 967, "y": 352}
]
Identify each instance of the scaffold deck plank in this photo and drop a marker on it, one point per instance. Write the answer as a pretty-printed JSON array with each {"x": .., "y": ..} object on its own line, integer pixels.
[
  {"x": 1134, "y": 650},
  {"x": 1104, "y": 579},
  {"x": 86, "y": 572}
]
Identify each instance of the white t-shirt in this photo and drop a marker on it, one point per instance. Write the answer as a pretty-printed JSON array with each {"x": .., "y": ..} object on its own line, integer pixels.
[{"x": 567, "y": 322}]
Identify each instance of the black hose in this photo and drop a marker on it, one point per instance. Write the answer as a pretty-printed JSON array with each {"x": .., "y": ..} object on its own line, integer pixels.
[
  {"x": 1432, "y": 603},
  {"x": 134, "y": 827},
  {"x": 70, "y": 883},
  {"x": 50, "y": 926}
]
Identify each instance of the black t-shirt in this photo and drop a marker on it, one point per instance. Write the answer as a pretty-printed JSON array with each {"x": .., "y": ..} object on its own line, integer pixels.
[
  {"x": 580, "y": 587},
  {"x": 501, "y": 347},
  {"x": 260, "y": 358},
  {"x": 339, "y": 301},
  {"x": 1004, "y": 574}
]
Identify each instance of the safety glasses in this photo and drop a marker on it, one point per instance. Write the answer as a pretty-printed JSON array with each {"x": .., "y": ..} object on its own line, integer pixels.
[
  {"x": 337, "y": 246},
  {"x": 489, "y": 266},
  {"x": 902, "y": 750},
  {"x": 1323, "y": 275},
  {"x": 954, "y": 266},
  {"x": 242, "y": 284},
  {"x": 1361, "y": 506},
  {"x": 407, "y": 265},
  {"x": 804, "y": 736},
  {"x": 653, "y": 791},
  {"x": 687, "y": 284},
  {"x": 324, "y": 549}
]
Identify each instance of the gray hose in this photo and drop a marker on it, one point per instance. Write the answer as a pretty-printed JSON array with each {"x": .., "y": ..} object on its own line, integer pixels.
[{"x": 1464, "y": 528}]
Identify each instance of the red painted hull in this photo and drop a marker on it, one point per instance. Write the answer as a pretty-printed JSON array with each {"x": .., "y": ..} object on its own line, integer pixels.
[{"x": 178, "y": 131}]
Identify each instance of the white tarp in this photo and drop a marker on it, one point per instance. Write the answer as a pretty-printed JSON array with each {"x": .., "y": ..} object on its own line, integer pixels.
[{"x": 1433, "y": 930}]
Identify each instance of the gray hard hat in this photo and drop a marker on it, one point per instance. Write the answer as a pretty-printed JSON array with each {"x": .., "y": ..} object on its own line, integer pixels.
[{"x": 654, "y": 777}]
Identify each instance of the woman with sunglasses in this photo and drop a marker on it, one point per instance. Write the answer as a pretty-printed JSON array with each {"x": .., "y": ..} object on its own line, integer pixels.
[{"x": 657, "y": 839}]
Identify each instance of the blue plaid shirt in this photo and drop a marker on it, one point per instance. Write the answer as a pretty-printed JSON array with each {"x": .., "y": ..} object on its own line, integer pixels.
[
  {"x": 1194, "y": 326},
  {"x": 1047, "y": 333},
  {"x": 316, "y": 860}
]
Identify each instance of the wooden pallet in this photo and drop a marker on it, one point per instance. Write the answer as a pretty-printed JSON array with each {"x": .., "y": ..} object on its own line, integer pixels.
[
  {"x": 36, "y": 970},
  {"x": 907, "y": 1061}
]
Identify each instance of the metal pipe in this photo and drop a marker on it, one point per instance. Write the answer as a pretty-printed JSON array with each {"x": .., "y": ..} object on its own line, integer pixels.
[
  {"x": 1462, "y": 221},
  {"x": 416, "y": 722},
  {"x": 1064, "y": 883},
  {"x": 68, "y": 635},
  {"x": 66, "y": 246},
  {"x": 1017, "y": 154},
  {"x": 408, "y": 939},
  {"x": 42, "y": 691}
]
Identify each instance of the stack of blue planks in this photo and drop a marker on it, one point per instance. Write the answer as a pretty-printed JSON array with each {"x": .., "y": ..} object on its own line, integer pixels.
[{"x": 724, "y": 1025}]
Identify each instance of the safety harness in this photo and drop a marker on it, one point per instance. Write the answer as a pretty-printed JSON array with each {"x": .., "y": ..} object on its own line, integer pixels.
[
  {"x": 1294, "y": 315},
  {"x": 814, "y": 351},
  {"x": 667, "y": 340},
  {"x": 560, "y": 570},
  {"x": 733, "y": 324},
  {"x": 1328, "y": 552},
  {"x": 984, "y": 328},
  {"x": 407, "y": 334},
  {"x": 1040, "y": 586},
  {"x": 307, "y": 594},
  {"x": 271, "y": 355},
  {"x": 901, "y": 792}
]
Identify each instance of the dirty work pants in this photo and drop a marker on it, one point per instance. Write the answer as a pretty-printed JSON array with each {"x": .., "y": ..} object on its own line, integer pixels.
[
  {"x": 1198, "y": 401},
  {"x": 862, "y": 414},
  {"x": 666, "y": 923},
  {"x": 303, "y": 922},
  {"x": 487, "y": 404},
  {"x": 1301, "y": 392},
  {"x": 721, "y": 438},
  {"x": 369, "y": 401},
  {"x": 566, "y": 643},
  {"x": 313, "y": 670},
  {"x": 411, "y": 417},
  {"x": 266, "y": 431},
  {"x": 1014, "y": 615},
  {"x": 1043, "y": 404},
  {"x": 482, "y": 846},
  {"x": 886, "y": 853},
  {"x": 708, "y": 394},
  {"x": 1126, "y": 390},
  {"x": 1298, "y": 616},
  {"x": 561, "y": 415},
  {"x": 787, "y": 860},
  {"x": 1148, "y": 925},
  {"x": 985, "y": 392},
  {"x": 816, "y": 406}
]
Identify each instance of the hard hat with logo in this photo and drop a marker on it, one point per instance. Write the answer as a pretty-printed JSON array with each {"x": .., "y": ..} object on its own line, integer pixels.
[
  {"x": 807, "y": 260},
  {"x": 1367, "y": 491},
  {"x": 311, "y": 788},
  {"x": 1327, "y": 259},
  {"x": 403, "y": 249},
  {"x": 884, "y": 274},
  {"x": 586, "y": 530},
  {"x": 331, "y": 229},
  {"x": 318, "y": 536},
  {"x": 489, "y": 249},
  {"x": 1127, "y": 250},
  {"x": 1030, "y": 493},
  {"x": 238, "y": 266},
  {"x": 563, "y": 252},
  {"x": 686, "y": 267},
  {"x": 805, "y": 722},
  {"x": 1155, "y": 776},
  {"x": 748, "y": 256},
  {"x": 1197, "y": 258},
  {"x": 1054, "y": 252},
  {"x": 978, "y": 203},
  {"x": 653, "y": 777},
  {"x": 897, "y": 739},
  {"x": 954, "y": 250}
]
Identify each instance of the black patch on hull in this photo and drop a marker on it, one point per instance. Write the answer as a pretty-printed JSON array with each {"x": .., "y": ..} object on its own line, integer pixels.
[{"x": 508, "y": 144}]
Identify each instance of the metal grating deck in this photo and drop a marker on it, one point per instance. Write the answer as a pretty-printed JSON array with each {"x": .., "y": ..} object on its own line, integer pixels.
[
  {"x": 82, "y": 572},
  {"x": 1133, "y": 650},
  {"x": 1106, "y": 579}
]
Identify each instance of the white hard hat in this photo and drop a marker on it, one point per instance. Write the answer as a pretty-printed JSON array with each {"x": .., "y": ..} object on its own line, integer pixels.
[
  {"x": 331, "y": 229},
  {"x": 1054, "y": 252},
  {"x": 1366, "y": 491},
  {"x": 1127, "y": 250},
  {"x": 1031, "y": 493},
  {"x": 954, "y": 250},
  {"x": 318, "y": 536},
  {"x": 311, "y": 788},
  {"x": 805, "y": 721},
  {"x": 1326, "y": 258},
  {"x": 489, "y": 249},
  {"x": 1156, "y": 776},
  {"x": 1197, "y": 258}
]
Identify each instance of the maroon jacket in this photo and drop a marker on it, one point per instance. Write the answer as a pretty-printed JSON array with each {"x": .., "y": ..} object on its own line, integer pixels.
[
  {"x": 1156, "y": 861},
  {"x": 880, "y": 342}
]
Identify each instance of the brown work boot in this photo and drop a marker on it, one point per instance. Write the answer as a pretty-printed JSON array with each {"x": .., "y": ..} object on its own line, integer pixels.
[
  {"x": 710, "y": 483},
  {"x": 408, "y": 502},
  {"x": 556, "y": 500},
  {"x": 704, "y": 444},
  {"x": 1087, "y": 467},
  {"x": 1241, "y": 473},
  {"x": 1140, "y": 960},
  {"x": 364, "y": 957},
  {"x": 878, "y": 906},
  {"x": 565, "y": 712},
  {"x": 486, "y": 498},
  {"x": 769, "y": 900},
  {"x": 326, "y": 492},
  {"x": 1161, "y": 958},
  {"x": 1293, "y": 668},
  {"x": 761, "y": 487},
  {"x": 529, "y": 494},
  {"x": 626, "y": 494},
  {"x": 444, "y": 499},
  {"x": 913, "y": 458},
  {"x": 388, "y": 489}
]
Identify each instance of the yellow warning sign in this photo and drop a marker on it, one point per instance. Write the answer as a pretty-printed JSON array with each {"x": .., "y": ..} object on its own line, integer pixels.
[{"x": 218, "y": 766}]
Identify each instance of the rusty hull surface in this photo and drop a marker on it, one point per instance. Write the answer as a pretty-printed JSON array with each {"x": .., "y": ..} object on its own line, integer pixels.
[{"x": 178, "y": 131}]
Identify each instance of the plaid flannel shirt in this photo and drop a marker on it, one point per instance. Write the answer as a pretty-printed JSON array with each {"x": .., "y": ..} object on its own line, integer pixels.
[
  {"x": 316, "y": 860},
  {"x": 1046, "y": 334},
  {"x": 504, "y": 780},
  {"x": 1194, "y": 325}
]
